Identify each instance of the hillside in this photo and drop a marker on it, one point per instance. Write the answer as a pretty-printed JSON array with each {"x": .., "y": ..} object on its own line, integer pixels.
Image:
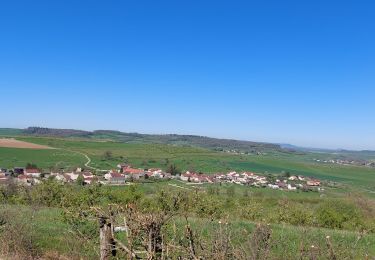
[{"x": 173, "y": 139}]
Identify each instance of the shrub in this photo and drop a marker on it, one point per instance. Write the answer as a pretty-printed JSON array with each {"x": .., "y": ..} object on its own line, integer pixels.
[
  {"x": 49, "y": 193},
  {"x": 17, "y": 237},
  {"x": 331, "y": 214},
  {"x": 252, "y": 211},
  {"x": 294, "y": 214},
  {"x": 207, "y": 207}
]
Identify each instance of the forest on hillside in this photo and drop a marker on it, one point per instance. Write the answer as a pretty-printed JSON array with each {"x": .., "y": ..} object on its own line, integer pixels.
[{"x": 173, "y": 139}]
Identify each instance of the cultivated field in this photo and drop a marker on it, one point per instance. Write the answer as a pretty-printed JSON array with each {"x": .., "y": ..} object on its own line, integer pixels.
[{"x": 13, "y": 143}]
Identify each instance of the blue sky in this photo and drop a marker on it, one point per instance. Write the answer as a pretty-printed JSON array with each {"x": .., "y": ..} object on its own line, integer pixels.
[{"x": 299, "y": 72}]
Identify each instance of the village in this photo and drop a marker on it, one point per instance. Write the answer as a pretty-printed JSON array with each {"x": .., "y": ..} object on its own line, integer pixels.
[
  {"x": 125, "y": 174},
  {"x": 347, "y": 162}
]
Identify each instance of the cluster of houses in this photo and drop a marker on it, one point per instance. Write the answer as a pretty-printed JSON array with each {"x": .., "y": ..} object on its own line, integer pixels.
[
  {"x": 24, "y": 175},
  {"x": 347, "y": 162},
  {"x": 126, "y": 173},
  {"x": 30, "y": 176},
  {"x": 252, "y": 179}
]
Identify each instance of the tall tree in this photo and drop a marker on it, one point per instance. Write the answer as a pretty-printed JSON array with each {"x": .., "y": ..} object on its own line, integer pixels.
[{"x": 172, "y": 169}]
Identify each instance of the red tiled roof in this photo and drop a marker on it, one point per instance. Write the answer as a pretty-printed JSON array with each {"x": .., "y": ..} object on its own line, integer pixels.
[
  {"x": 32, "y": 171},
  {"x": 116, "y": 175},
  {"x": 133, "y": 171}
]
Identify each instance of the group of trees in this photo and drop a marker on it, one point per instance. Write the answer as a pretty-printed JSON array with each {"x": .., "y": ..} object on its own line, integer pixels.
[{"x": 172, "y": 169}]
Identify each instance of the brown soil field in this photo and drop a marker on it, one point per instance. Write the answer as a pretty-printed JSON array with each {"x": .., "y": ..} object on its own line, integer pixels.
[{"x": 13, "y": 143}]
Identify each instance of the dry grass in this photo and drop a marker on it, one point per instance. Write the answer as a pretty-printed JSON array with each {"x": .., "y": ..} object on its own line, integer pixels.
[{"x": 13, "y": 143}]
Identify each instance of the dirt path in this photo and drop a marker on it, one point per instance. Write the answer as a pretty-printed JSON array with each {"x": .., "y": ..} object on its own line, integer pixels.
[
  {"x": 177, "y": 186},
  {"x": 87, "y": 164}
]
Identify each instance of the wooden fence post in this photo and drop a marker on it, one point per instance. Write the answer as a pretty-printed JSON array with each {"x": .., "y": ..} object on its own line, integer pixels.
[{"x": 105, "y": 238}]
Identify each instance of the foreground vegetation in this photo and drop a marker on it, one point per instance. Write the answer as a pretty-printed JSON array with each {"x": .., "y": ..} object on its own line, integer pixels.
[{"x": 54, "y": 220}]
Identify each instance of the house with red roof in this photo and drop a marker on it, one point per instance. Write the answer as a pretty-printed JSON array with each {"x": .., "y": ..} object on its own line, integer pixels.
[
  {"x": 313, "y": 182},
  {"x": 186, "y": 176},
  {"x": 133, "y": 173},
  {"x": 115, "y": 177},
  {"x": 156, "y": 173},
  {"x": 33, "y": 172},
  {"x": 3, "y": 178},
  {"x": 196, "y": 177},
  {"x": 87, "y": 175},
  {"x": 71, "y": 176}
]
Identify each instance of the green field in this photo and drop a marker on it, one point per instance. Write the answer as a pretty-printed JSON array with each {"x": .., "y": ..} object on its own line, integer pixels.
[
  {"x": 45, "y": 159},
  {"x": 186, "y": 158}
]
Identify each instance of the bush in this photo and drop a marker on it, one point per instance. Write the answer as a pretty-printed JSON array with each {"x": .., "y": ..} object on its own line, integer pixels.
[
  {"x": 17, "y": 237},
  {"x": 294, "y": 214},
  {"x": 343, "y": 215},
  {"x": 252, "y": 211},
  {"x": 49, "y": 193},
  {"x": 15, "y": 194},
  {"x": 207, "y": 207}
]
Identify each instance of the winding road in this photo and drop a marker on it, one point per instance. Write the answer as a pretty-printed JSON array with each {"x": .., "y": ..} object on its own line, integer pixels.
[{"x": 87, "y": 164}]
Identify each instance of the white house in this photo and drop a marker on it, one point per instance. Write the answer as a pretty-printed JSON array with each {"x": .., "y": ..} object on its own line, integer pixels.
[
  {"x": 73, "y": 176},
  {"x": 33, "y": 172}
]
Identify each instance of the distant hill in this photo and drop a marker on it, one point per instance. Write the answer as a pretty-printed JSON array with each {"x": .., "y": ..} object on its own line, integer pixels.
[
  {"x": 307, "y": 149},
  {"x": 41, "y": 131},
  {"x": 229, "y": 145}
]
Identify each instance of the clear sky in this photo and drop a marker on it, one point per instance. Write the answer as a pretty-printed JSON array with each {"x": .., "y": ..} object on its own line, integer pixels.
[{"x": 300, "y": 72}]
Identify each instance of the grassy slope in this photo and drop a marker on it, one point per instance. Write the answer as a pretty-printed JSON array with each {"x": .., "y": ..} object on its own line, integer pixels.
[
  {"x": 52, "y": 235},
  {"x": 286, "y": 240}
]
